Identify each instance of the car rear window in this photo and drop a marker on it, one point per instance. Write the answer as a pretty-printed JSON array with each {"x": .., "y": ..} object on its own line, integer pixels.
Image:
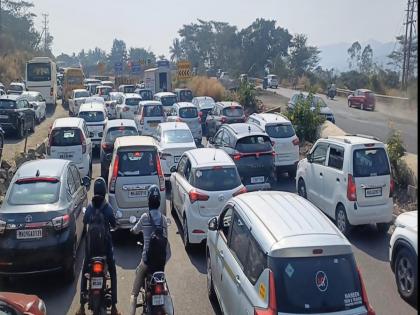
[
  {"x": 116, "y": 132},
  {"x": 129, "y": 89},
  {"x": 177, "y": 136},
  {"x": 185, "y": 95},
  {"x": 16, "y": 87},
  {"x": 7, "y": 104},
  {"x": 91, "y": 116},
  {"x": 280, "y": 130},
  {"x": 370, "y": 162},
  {"x": 146, "y": 95},
  {"x": 254, "y": 144},
  {"x": 153, "y": 111},
  {"x": 132, "y": 101},
  {"x": 188, "y": 112},
  {"x": 331, "y": 283},
  {"x": 62, "y": 137},
  {"x": 137, "y": 163},
  {"x": 233, "y": 111},
  {"x": 216, "y": 179},
  {"x": 168, "y": 100},
  {"x": 34, "y": 193},
  {"x": 81, "y": 94}
]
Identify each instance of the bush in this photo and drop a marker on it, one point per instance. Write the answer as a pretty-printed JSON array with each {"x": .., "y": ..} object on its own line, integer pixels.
[
  {"x": 246, "y": 96},
  {"x": 305, "y": 120},
  {"x": 203, "y": 86},
  {"x": 399, "y": 169}
]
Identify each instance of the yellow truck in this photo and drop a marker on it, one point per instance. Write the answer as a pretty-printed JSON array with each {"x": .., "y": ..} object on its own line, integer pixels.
[{"x": 72, "y": 79}]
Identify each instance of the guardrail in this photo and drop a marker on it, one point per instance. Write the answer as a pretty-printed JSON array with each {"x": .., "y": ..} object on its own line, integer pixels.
[{"x": 348, "y": 92}]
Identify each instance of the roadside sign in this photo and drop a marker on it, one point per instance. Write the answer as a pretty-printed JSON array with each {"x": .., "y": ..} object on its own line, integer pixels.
[
  {"x": 118, "y": 67},
  {"x": 161, "y": 63},
  {"x": 184, "y": 70},
  {"x": 135, "y": 68}
]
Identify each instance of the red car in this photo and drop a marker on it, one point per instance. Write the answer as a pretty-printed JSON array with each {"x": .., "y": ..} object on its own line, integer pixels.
[
  {"x": 363, "y": 99},
  {"x": 17, "y": 303}
]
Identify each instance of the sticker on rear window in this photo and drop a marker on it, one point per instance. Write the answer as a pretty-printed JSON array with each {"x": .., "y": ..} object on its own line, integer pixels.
[
  {"x": 289, "y": 270},
  {"x": 352, "y": 299},
  {"x": 321, "y": 281},
  {"x": 262, "y": 291},
  {"x": 135, "y": 156},
  {"x": 198, "y": 174},
  {"x": 68, "y": 134}
]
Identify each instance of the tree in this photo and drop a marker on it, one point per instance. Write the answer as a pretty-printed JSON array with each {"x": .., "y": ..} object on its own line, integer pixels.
[
  {"x": 176, "y": 50},
  {"x": 396, "y": 57},
  {"x": 366, "y": 60},
  {"x": 137, "y": 54},
  {"x": 118, "y": 52},
  {"x": 302, "y": 58},
  {"x": 354, "y": 55}
]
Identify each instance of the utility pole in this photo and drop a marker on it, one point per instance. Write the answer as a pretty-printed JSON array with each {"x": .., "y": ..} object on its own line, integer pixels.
[
  {"x": 45, "y": 31},
  {"x": 408, "y": 41}
]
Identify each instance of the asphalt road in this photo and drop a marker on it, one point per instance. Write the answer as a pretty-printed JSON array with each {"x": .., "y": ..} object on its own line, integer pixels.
[
  {"x": 376, "y": 123},
  {"x": 186, "y": 272}
]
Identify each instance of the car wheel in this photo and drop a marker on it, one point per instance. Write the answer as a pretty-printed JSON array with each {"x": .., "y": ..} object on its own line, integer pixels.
[
  {"x": 406, "y": 274},
  {"x": 383, "y": 227},
  {"x": 302, "y": 188},
  {"x": 70, "y": 270},
  {"x": 173, "y": 210},
  {"x": 210, "y": 286},
  {"x": 349, "y": 103},
  {"x": 341, "y": 220},
  {"x": 187, "y": 244},
  {"x": 362, "y": 106}
]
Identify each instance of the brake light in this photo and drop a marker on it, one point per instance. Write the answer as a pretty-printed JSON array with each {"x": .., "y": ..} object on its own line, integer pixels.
[
  {"x": 106, "y": 146},
  {"x": 391, "y": 187},
  {"x": 237, "y": 157},
  {"x": 240, "y": 191},
  {"x": 37, "y": 180},
  {"x": 351, "y": 188},
  {"x": 61, "y": 222},
  {"x": 160, "y": 174},
  {"x": 296, "y": 141},
  {"x": 272, "y": 301},
  {"x": 197, "y": 196},
  {"x": 364, "y": 296},
  {"x": 114, "y": 175},
  {"x": 83, "y": 141},
  {"x": 223, "y": 120},
  {"x": 97, "y": 267},
  {"x": 51, "y": 91},
  {"x": 159, "y": 289}
]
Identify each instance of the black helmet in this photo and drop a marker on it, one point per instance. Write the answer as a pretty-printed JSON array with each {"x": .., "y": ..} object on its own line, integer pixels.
[
  {"x": 99, "y": 187},
  {"x": 154, "y": 197}
]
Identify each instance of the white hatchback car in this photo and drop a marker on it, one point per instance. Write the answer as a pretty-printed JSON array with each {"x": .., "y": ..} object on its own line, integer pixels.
[
  {"x": 403, "y": 254},
  {"x": 188, "y": 113},
  {"x": 173, "y": 138},
  {"x": 348, "y": 177},
  {"x": 37, "y": 103},
  {"x": 96, "y": 118},
  {"x": 150, "y": 114},
  {"x": 129, "y": 106},
  {"x": 272, "y": 252},
  {"x": 204, "y": 180},
  {"x": 284, "y": 139}
]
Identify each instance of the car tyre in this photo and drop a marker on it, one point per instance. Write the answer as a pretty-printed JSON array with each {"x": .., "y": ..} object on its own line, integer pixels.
[
  {"x": 292, "y": 173},
  {"x": 187, "y": 244},
  {"x": 69, "y": 272},
  {"x": 362, "y": 106},
  {"x": 383, "y": 227},
  {"x": 210, "y": 286},
  {"x": 302, "y": 188},
  {"x": 341, "y": 220},
  {"x": 349, "y": 103},
  {"x": 406, "y": 275},
  {"x": 32, "y": 128}
]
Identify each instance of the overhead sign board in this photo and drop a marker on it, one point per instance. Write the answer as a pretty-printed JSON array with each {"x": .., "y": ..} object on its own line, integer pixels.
[
  {"x": 118, "y": 67},
  {"x": 183, "y": 69}
]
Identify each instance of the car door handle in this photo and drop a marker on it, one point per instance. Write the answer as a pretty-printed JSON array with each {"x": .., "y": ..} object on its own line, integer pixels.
[
  {"x": 337, "y": 179},
  {"x": 237, "y": 280},
  {"x": 320, "y": 174}
]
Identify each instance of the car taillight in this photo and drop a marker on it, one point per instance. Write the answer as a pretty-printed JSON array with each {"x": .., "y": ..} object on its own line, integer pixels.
[
  {"x": 272, "y": 300},
  {"x": 61, "y": 222},
  {"x": 296, "y": 141},
  {"x": 83, "y": 141},
  {"x": 97, "y": 267},
  {"x": 223, "y": 120},
  {"x": 2, "y": 226},
  {"x": 364, "y": 296},
  {"x": 197, "y": 196},
  {"x": 159, "y": 289},
  {"x": 240, "y": 191},
  {"x": 160, "y": 174},
  {"x": 51, "y": 91},
  {"x": 351, "y": 188},
  {"x": 114, "y": 175},
  {"x": 106, "y": 146},
  {"x": 391, "y": 187}
]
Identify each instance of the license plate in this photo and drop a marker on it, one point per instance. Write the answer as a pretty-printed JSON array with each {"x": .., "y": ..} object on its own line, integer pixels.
[
  {"x": 157, "y": 300},
  {"x": 137, "y": 193},
  {"x": 96, "y": 282},
  {"x": 176, "y": 159},
  {"x": 4, "y": 117},
  {"x": 28, "y": 234},
  {"x": 66, "y": 156},
  {"x": 373, "y": 192},
  {"x": 153, "y": 124},
  {"x": 257, "y": 180}
]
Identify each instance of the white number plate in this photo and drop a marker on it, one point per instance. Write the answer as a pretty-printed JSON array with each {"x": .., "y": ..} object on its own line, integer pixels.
[
  {"x": 4, "y": 117},
  {"x": 176, "y": 159},
  {"x": 66, "y": 156},
  {"x": 28, "y": 234},
  {"x": 373, "y": 192},
  {"x": 153, "y": 124},
  {"x": 137, "y": 193},
  {"x": 96, "y": 282},
  {"x": 158, "y": 300},
  {"x": 257, "y": 180}
]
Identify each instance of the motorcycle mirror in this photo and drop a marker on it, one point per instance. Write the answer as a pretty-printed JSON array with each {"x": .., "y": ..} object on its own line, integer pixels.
[{"x": 133, "y": 219}]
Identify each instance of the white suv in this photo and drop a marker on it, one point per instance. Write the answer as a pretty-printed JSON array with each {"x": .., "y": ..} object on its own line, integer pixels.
[
  {"x": 129, "y": 106},
  {"x": 272, "y": 252},
  {"x": 403, "y": 254},
  {"x": 96, "y": 117},
  {"x": 204, "y": 180},
  {"x": 284, "y": 139},
  {"x": 348, "y": 177}
]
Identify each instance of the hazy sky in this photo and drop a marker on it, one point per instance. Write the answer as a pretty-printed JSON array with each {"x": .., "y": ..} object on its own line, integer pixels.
[{"x": 77, "y": 24}]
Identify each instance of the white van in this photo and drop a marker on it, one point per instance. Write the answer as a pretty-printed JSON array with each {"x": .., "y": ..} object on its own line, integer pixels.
[
  {"x": 149, "y": 116},
  {"x": 273, "y": 81},
  {"x": 96, "y": 118}
]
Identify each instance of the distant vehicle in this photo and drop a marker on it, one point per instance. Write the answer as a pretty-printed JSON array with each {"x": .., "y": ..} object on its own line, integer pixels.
[
  {"x": 158, "y": 79},
  {"x": 45, "y": 201},
  {"x": 243, "y": 78},
  {"x": 403, "y": 255},
  {"x": 273, "y": 81},
  {"x": 127, "y": 88},
  {"x": 228, "y": 82},
  {"x": 129, "y": 106},
  {"x": 224, "y": 113},
  {"x": 150, "y": 114},
  {"x": 108, "y": 83},
  {"x": 188, "y": 113},
  {"x": 16, "y": 115},
  {"x": 19, "y": 303},
  {"x": 78, "y": 97},
  {"x": 363, "y": 99},
  {"x": 316, "y": 101},
  {"x": 37, "y": 103},
  {"x": 183, "y": 95},
  {"x": 146, "y": 94},
  {"x": 115, "y": 98},
  {"x": 16, "y": 88},
  {"x": 91, "y": 88},
  {"x": 101, "y": 77},
  {"x": 72, "y": 80},
  {"x": 91, "y": 80},
  {"x": 168, "y": 99},
  {"x": 349, "y": 179},
  {"x": 96, "y": 118},
  {"x": 103, "y": 91},
  {"x": 41, "y": 76}
]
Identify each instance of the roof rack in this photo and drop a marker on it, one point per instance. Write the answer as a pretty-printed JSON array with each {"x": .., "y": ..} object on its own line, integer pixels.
[
  {"x": 339, "y": 139},
  {"x": 362, "y": 136}
]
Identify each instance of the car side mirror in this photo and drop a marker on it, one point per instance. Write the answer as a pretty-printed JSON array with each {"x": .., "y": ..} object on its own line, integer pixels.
[
  {"x": 210, "y": 140},
  {"x": 212, "y": 225},
  {"x": 86, "y": 181},
  {"x": 309, "y": 157}
]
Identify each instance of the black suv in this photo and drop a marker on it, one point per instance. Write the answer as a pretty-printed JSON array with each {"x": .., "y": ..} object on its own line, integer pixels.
[
  {"x": 224, "y": 113},
  {"x": 251, "y": 150},
  {"x": 16, "y": 115}
]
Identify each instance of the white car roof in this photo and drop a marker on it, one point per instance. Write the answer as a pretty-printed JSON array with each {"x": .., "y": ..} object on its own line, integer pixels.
[
  {"x": 132, "y": 95},
  {"x": 33, "y": 93},
  {"x": 80, "y": 90},
  {"x": 68, "y": 122},
  {"x": 355, "y": 139},
  {"x": 282, "y": 220},
  {"x": 203, "y": 98},
  {"x": 161, "y": 94},
  {"x": 95, "y": 99},
  {"x": 143, "y": 103},
  {"x": 269, "y": 118},
  {"x": 92, "y": 107},
  {"x": 185, "y": 104},
  {"x": 132, "y": 141},
  {"x": 205, "y": 157},
  {"x": 173, "y": 126},
  {"x": 121, "y": 122}
]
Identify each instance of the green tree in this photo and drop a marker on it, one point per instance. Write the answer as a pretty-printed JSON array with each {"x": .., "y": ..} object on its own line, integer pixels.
[
  {"x": 118, "y": 52},
  {"x": 176, "y": 50},
  {"x": 366, "y": 60},
  {"x": 302, "y": 58},
  {"x": 137, "y": 54},
  {"x": 354, "y": 53},
  {"x": 396, "y": 57}
]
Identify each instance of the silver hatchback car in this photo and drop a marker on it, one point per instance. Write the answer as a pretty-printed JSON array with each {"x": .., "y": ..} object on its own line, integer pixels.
[{"x": 188, "y": 113}]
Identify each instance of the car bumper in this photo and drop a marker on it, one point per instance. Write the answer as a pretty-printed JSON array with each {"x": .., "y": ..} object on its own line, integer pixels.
[
  {"x": 8, "y": 127},
  {"x": 370, "y": 214}
]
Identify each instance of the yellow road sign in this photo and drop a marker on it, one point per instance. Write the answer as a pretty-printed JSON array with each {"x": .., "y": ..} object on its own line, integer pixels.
[{"x": 184, "y": 69}]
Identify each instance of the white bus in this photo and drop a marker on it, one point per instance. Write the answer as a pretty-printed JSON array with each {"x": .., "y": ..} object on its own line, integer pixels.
[{"x": 41, "y": 76}]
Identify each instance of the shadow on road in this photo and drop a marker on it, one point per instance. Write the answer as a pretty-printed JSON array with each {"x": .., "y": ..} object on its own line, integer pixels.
[{"x": 126, "y": 251}]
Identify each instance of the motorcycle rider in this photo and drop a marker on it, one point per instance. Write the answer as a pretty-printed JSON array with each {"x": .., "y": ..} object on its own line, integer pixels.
[
  {"x": 147, "y": 227},
  {"x": 99, "y": 202}
]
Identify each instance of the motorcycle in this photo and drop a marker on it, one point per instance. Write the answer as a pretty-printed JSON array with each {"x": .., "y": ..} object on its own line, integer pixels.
[{"x": 331, "y": 94}]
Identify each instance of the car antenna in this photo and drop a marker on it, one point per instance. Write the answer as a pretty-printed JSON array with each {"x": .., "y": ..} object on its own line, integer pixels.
[
  {"x": 249, "y": 129},
  {"x": 37, "y": 173},
  {"x": 214, "y": 157}
]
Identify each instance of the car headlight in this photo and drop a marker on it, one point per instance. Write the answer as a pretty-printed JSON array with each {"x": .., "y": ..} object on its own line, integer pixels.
[
  {"x": 41, "y": 307},
  {"x": 118, "y": 214}
]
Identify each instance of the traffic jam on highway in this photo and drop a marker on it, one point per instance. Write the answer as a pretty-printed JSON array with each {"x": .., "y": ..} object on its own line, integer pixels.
[{"x": 266, "y": 251}]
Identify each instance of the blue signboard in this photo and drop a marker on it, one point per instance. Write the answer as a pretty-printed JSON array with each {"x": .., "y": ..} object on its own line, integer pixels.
[
  {"x": 163, "y": 63},
  {"x": 135, "y": 69},
  {"x": 118, "y": 67}
]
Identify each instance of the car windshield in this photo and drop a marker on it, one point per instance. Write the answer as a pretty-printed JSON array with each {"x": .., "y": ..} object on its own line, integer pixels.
[
  {"x": 177, "y": 136},
  {"x": 63, "y": 137},
  {"x": 104, "y": 91},
  {"x": 38, "y": 72},
  {"x": 16, "y": 87},
  {"x": 34, "y": 193},
  {"x": 92, "y": 116},
  {"x": 31, "y": 97},
  {"x": 81, "y": 94},
  {"x": 146, "y": 95},
  {"x": 273, "y": 77},
  {"x": 129, "y": 89},
  {"x": 216, "y": 179},
  {"x": 280, "y": 130},
  {"x": 188, "y": 112},
  {"x": 132, "y": 101},
  {"x": 233, "y": 111},
  {"x": 317, "y": 101},
  {"x": 252, "y": 144},
  {"x": 331, "y": 284},
  {"x": 153, "y": 111},
  {"x": 7, "y": 104},
  {"x": 74, "y": 79},
  {"x": 137, "y": 163},
  {"x": 115, "y": 132},
  {"x": 370, "y": 162},
  {"x": 168, "y": 100},
  {"x": 206, "y": 102}
]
